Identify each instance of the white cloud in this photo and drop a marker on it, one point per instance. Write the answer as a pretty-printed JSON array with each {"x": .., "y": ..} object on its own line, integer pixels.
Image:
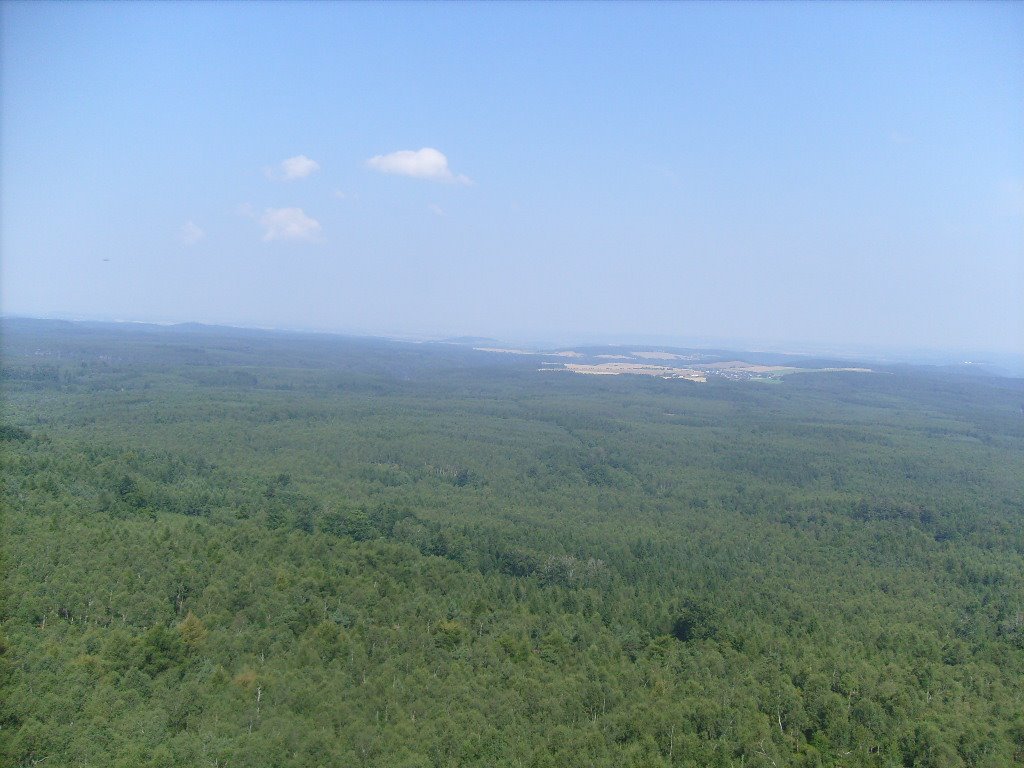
[
  {"x": 289, "y": 224},
  {"x": 190, "y": 233},
  {"x": 436, "y": 209},
  {"x": 426, "y": 163},
  {"x": 298, "y": 167}
]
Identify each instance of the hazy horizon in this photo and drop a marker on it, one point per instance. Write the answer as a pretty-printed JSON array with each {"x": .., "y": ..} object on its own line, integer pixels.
[
  {"x": 1007, "y": 363},
  {"x": 815, "y": 175}
]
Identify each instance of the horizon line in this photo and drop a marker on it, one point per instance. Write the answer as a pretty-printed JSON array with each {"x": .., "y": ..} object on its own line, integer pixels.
[{"x": 559, "y": 339}]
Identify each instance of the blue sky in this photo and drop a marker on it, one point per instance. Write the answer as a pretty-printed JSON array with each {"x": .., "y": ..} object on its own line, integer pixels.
[{"x": 824, "y": 173}]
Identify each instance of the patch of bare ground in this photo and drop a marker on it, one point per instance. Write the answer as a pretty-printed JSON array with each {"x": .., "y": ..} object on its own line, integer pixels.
[{"x": 636, "y": 369}]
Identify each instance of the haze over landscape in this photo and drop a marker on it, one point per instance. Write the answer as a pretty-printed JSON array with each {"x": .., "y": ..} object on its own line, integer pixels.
[
  {"x": 779, "y": 174},
  {"x": 512, "y": 385}
]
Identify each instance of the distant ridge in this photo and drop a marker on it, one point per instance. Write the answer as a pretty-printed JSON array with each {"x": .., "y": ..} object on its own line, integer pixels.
[{"x": 984, "y": 363}]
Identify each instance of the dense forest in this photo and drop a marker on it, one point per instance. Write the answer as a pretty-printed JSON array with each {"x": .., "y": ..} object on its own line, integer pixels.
[{"x": 239, "y": 548}]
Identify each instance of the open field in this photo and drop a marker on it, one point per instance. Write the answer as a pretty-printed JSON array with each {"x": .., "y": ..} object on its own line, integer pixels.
[
  {"x": 636, "y": 369},
  {"x": 638, "y": 363}
]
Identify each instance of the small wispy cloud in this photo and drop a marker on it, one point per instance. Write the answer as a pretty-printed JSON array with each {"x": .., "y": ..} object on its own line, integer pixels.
[
  {"x": 190, "y": 233},
  {"x": 289, "y": 224},
  {"x": 427, "y": 163},
  {"x": 298, "y": 167},
  {"x": 436, "y": 209}
]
